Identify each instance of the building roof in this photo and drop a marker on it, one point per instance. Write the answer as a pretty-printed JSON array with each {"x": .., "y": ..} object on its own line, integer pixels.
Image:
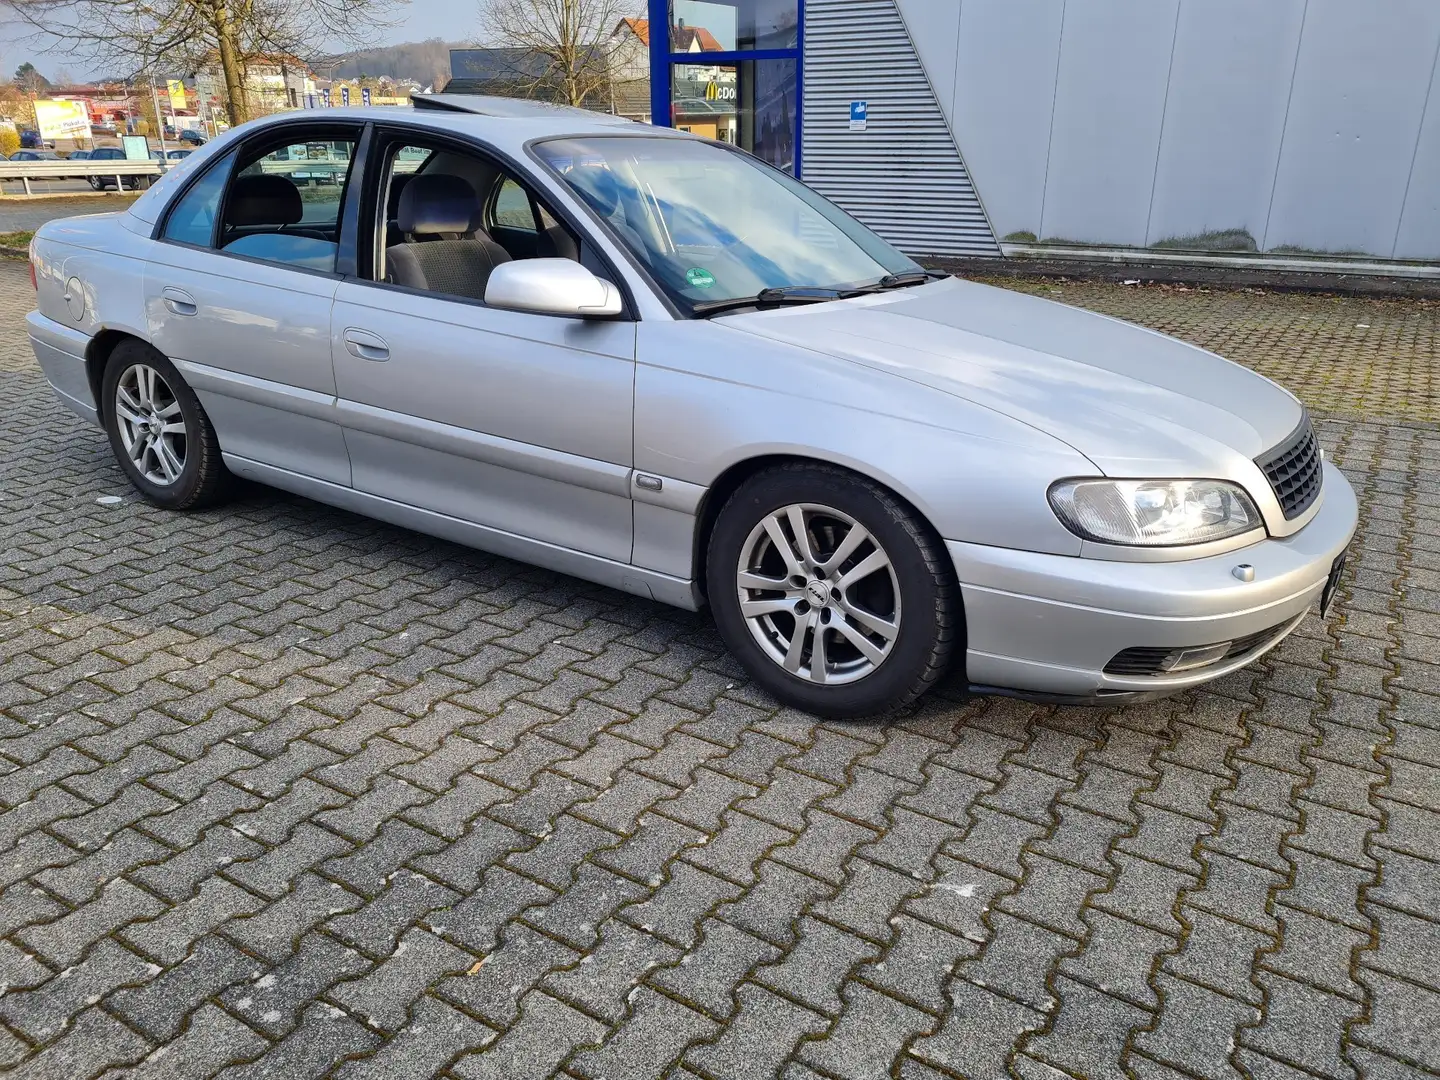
[{"x": 682, "y": 38}]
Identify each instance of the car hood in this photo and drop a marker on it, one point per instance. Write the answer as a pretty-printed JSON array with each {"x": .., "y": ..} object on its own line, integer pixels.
[{"x": 1133, "y": 401}]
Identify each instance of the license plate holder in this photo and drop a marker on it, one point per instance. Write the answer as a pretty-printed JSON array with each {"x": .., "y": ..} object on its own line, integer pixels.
[{"x": 1332, "y": 584}]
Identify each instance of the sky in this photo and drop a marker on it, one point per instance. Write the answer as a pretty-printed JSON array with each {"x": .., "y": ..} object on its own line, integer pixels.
[{"x": 450, "y": 20}]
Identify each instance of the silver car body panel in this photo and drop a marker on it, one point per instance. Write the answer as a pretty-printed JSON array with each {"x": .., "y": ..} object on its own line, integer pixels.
[{"x": 593, "y": 448}]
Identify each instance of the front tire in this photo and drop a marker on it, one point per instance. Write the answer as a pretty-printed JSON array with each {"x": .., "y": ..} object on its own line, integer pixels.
[
  {"x": 158, "y": 431},
  {"x": 835, "y": 596}
]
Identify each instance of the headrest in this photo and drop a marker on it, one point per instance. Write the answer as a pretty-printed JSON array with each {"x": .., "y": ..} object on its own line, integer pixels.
[
  {"x": 438, "y": 204},
  {"x": 264, "y": 199},
  {"x": 398, "y": 183}
]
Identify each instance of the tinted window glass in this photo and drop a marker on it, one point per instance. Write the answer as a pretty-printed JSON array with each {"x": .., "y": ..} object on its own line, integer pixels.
[
  {"x": 512, "y": 207},
  {"x": 193, "y": 219},
  {"x": 284, "y": 206}
]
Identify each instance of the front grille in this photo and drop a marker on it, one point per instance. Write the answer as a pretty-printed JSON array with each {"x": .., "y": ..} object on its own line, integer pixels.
[
  {"x": 1294, "y": 471},
  {"x": 1145, "y": 661}
]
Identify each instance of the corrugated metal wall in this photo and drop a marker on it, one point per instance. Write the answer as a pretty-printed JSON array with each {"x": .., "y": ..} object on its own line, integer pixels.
[
  {"x": 903, "y": 175},
  {"x": 1307, "y": 126}
]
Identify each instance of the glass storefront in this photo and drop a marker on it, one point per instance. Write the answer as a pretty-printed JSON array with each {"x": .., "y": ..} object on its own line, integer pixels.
[{"x": 733, "y": 73}]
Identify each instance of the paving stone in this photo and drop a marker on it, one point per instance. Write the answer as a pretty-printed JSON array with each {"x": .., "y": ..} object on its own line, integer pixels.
[
  {"x": 706, "y": 976},
  {"x": 436, "y": 1035},
  {"x": 160, "y": 1008},
  {"x": 918, "y": 965},
  {"x": 273, "y": 932},
  {"x": 274, "y": 1000},
  {"x": 765, "y": 1031},
  {"x": 769, "y": 909},
  {"x": 656, "y": 1034},
  {"x": 475, "y": 922},
  {"x": 814, "y": 969},
  {"x": 324, "y": 1036},
  {"x": 384, "y": 996},
  {"x": 1196, "y": 1030},
  {"x": 1303, "y": 1026},
  {"x": 1088, "y": 1035},
  {"x": 377, "y": 926},
  {"x": 82, "y": 879},
  {"x": 1218, "y": 954},
  {"x": 65, "y": 940},
  {"x": 548, "y": 1032},
  {"x": 41, "y": 1014},
  {"x": 1404, "y": 1021},
  {"x": 676, "y": 910},
  {"x": 95, "y": 1040},
  {"x": 603, "y": 981},
  {"x": 977, "y": 1034}
]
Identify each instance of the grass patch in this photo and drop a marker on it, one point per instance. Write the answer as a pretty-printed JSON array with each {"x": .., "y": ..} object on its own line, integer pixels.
[
  {"x": 1292, "y": 249},
  {"x": 1212, "y": 240},
  {"x": 16, "y": 239},
  {"x": 1021, "y": 236}
]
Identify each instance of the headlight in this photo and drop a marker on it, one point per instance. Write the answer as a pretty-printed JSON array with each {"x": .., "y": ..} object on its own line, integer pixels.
[{"x": 1154, "y": 513}]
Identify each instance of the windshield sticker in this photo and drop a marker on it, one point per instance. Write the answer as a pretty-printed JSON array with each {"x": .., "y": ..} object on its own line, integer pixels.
[{"x": 699, "y": 277}]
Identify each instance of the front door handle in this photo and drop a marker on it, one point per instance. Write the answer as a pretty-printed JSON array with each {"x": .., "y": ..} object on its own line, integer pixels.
[
  {"x": 365, "y": 345},
  {"x": 178, "y": 301}
]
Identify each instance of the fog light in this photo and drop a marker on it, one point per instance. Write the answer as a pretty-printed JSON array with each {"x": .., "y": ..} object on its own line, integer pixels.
[{"x": 1189, "y": 659}]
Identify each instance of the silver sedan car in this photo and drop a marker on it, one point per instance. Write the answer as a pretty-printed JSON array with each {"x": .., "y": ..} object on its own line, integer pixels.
[{"x": 652, "y": 361}]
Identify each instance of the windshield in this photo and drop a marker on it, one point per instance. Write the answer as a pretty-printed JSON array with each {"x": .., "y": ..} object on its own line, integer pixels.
[{"x": 713, "y": 224}]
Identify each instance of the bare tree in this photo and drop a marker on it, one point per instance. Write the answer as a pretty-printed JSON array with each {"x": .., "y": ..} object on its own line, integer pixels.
[
  {"x": 572, "y": 40},
  {"x": 153, "y": 38}
]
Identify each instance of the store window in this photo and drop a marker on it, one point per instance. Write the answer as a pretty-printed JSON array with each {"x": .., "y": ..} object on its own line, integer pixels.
[
  {"x": 752, "y": 104},
  {"x": 733, "y": 25}
]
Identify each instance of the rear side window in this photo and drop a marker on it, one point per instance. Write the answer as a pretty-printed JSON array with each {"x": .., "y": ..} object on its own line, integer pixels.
[{"x": 193, "y": 219}]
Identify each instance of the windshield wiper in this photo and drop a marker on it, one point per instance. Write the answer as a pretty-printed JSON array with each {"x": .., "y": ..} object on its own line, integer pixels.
[
  {"x": 905, "y": 279},
  {"x": 790, "y": 294}
]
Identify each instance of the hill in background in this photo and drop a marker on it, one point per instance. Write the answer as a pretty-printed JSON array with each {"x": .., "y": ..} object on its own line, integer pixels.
[{"x": 427, "y": 62}]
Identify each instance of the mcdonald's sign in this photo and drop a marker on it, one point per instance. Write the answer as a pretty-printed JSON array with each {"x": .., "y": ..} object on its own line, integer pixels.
[{"x": 715, "y": 91}]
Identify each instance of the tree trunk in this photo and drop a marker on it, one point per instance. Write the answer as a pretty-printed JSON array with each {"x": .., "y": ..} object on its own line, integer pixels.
[{"x": 237, "y": 107}]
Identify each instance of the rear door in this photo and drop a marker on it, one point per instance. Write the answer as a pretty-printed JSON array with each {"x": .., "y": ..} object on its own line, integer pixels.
[{"x": 239, "y": 290}]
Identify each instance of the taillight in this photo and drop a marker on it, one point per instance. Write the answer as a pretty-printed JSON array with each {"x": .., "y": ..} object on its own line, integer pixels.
[{"x": 33, "y": 284}]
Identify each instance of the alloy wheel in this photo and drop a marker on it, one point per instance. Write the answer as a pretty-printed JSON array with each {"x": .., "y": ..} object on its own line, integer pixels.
[
  {"x": 819, "y": 594},
  {"x": 152, "y": 429}
]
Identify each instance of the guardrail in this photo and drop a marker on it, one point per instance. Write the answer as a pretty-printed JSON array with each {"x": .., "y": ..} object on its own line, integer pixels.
[
  {"x": 312, "y": 171},
  {"x": 62, "y": 169}
]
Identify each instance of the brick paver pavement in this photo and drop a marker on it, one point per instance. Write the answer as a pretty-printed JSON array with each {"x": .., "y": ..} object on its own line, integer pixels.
[{"x": 288, "y": 793}]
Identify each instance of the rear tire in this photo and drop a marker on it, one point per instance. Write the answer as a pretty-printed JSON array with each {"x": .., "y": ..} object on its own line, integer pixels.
[
  {"x": 867, "y": 589},
  {"x": 159, "y": 432}
]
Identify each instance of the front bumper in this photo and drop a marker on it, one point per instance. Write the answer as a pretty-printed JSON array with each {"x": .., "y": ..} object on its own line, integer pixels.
[{"x": 1048, "y": 625}]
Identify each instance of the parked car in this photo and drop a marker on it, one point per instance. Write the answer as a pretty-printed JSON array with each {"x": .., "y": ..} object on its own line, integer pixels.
[
  {"x": 652, "y": 361},
  {"x": 176, "y": 155},
  {"x": 193, "y": 136},
  {"x": 34, "y": 155},
  {"x": 30, "y": 139},
  {"x": 111, "y": 153}
]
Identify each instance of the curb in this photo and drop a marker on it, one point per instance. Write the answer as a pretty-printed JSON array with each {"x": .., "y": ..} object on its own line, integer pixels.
[{"x": 1150, "y": 273}]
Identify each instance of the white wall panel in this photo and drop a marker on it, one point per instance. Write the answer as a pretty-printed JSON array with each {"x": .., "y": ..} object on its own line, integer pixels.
[
  {"x": 1002, "y": 104},
  {"x": 1224, "y": 116},
  {"x": 934, "y": 28},
  {"x": 1109, "y": 103},
  {"x": 1419, "y": 235},
  {"x": 1360, "y": 89}
]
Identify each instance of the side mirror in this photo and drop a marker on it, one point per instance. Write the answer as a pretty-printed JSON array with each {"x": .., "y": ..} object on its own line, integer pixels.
[{"x": 552, "y": 287}]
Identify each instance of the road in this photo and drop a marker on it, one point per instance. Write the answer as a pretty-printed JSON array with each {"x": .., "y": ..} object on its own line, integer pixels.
[{"x": 290, "y": 793}]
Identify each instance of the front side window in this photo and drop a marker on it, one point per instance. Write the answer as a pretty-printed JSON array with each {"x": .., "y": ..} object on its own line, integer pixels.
[
  {"x": 451, "y": 217},
  {"x": 192, "y": 221},
  {"x": 713, "y": 224},
  {"x": 284, "y": 205}
]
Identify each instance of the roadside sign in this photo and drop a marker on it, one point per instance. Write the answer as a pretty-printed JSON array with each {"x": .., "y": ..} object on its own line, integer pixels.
[
  {"x": 137, "y": 147},
  {"x": 345, "y": 95},
  {"x": 176, "y": 89},
  {"x": 325, "y": 96},
  {"x": 365, "y": 95},
  {"x": 309, "y": 101},
  {"x": 62, "y": 119},
  {"x": 859, "y": 115}
]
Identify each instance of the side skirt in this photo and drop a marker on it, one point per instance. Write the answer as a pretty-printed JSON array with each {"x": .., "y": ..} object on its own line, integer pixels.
[{"x": 631, "y": 579}]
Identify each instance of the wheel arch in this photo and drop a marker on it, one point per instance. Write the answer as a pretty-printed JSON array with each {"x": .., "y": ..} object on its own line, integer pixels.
[
  {"x": 97, "y": 355},
  {"x": 730, "y": 480}
]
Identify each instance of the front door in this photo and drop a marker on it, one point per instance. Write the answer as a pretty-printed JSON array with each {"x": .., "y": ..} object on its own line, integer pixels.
[
  {"x": 516, "y": 422},
  {"x": 238, "y": 293}
]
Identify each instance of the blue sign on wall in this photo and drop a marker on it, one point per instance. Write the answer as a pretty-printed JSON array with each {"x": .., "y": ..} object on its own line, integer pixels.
[
  {"x": 345, "y": 95},
  {"x": 365, "y": 95},
  {"x": 859, "y": 115}
]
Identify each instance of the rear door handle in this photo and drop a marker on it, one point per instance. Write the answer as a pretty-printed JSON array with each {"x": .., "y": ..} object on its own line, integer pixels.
[
  {"x": 179, "y": 301},
  {"x": 365, "y": 345}
]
